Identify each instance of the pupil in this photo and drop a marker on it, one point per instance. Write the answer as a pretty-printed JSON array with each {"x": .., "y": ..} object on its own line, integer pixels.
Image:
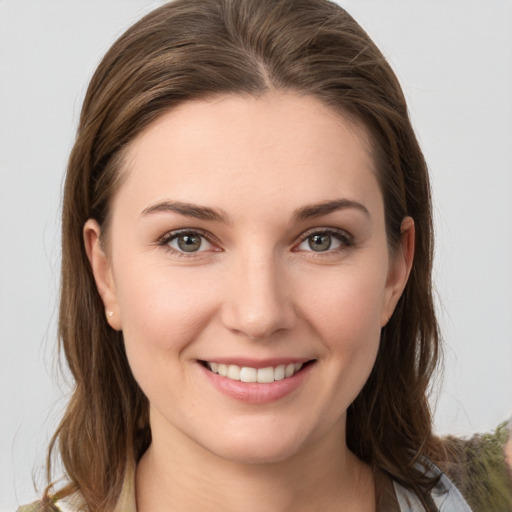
[
  {"x": 319, "y": 242},
  {"x": 189, "y": 243}
]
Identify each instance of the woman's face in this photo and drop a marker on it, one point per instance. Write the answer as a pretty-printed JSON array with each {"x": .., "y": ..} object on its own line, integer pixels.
[{"x": 248, "y": 238}]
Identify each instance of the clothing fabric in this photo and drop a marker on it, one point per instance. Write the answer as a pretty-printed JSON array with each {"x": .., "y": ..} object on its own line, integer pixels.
[
  {"x": 445, "y": 496},
  {"x": 390, "y": 497}
]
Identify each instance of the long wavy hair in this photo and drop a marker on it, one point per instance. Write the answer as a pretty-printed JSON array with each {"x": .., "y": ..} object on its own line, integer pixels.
[{"x": 191, "y": 49}]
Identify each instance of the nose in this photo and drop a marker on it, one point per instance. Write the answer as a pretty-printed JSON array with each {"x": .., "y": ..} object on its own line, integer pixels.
[{"x": 259, "y": 298}]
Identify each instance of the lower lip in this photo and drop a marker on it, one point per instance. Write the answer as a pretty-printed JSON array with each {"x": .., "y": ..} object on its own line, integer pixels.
[{"x": 254, "y": 392}]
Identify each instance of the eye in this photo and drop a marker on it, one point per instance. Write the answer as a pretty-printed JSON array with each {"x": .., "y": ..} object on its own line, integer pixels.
[
  {"x": 187, "y": 242},
  {"x": 324, "y": 241}
]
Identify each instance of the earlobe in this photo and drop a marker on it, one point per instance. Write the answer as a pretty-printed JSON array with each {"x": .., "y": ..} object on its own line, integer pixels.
[
  {"x": 102, "y": 271},
  {"x": 400, "y": 269}
]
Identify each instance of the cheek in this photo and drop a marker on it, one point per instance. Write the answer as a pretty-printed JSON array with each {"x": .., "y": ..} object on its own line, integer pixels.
[
  {"x": 345, "y": 311},
  {"x": 346, "y": 303},
  {"x": 161, "y": 312}
]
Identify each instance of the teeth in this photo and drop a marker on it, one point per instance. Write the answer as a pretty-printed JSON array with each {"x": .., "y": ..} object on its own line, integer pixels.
[
  {"x": 279, "y": 372},
  {"x": 233, "y": 372},
  {"x": 290, "y": 370},
  {"x": 266, "y": 375},
  {"x": 248, "y": 374},
  {"x": 260, "y": 375}
]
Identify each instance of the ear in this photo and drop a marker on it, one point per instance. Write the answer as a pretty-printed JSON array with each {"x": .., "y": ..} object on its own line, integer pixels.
[
  {"x": 102, "y": 270},
  {"x": 399, "y": 269}
]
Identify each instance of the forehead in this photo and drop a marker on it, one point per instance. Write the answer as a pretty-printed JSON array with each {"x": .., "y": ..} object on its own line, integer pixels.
[{"x": 279, "y": 147}]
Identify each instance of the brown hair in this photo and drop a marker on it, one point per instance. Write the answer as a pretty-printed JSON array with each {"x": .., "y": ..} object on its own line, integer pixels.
[{"x": 192, "y": 49}]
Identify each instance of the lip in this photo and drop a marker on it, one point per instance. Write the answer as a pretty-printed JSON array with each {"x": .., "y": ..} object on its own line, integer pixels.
[
  {"x": 254, "y": 392},
  {"x": 258, "y": 363}
]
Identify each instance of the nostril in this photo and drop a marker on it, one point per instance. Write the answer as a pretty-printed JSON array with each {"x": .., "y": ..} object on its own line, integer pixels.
[{"x": 256, "y": 306}]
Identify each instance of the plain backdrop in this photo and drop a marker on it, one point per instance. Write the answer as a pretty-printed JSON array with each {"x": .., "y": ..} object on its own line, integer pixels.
[{"x": 454, "y": 60}]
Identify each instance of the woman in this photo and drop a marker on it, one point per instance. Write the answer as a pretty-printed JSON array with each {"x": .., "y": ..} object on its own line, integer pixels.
[{"x": 246, "y": 298}]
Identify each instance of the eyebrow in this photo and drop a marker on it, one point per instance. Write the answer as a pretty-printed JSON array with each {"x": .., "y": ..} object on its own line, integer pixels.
[
  {"x": 206, "y": 213},
  {"x": 317, "y": 210},
  {"x": 188, "y": 209}
]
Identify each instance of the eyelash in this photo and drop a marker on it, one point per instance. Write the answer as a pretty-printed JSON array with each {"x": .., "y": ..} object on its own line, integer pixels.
[
  {"x": 166, "y": 239},
  {"x": 346, "y": 241}
]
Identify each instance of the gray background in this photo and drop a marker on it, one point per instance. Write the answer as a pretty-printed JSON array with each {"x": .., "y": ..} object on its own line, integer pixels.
[{"x": 454, "y": 59}]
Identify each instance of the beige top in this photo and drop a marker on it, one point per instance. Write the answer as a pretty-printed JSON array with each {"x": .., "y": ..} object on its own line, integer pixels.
[{"x": 390, "y": 497}]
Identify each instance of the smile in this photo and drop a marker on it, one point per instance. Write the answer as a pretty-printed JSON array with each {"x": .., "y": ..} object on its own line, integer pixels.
[
  {"x": 257, "y": 382},
  {"x": 259, "y": 375}
]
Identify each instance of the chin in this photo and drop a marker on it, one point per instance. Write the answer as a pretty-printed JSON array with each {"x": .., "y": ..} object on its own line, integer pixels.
[
  {"x": 257, "y": 446},
  {"x": 251, "y": 455}
]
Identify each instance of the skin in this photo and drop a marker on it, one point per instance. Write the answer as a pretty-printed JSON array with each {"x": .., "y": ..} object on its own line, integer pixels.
[
  {"x": 255, "y": 290},
  {"x": 508, "y": 449}
]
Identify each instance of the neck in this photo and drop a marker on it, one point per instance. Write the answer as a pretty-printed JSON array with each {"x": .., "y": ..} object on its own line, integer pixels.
[{"x": 178, "y": 474}]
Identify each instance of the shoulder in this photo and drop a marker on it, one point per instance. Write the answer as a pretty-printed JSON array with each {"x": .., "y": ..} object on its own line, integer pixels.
[
  {"x": 32, "y": 507},
  {"x": 478, "y": 468},
  {"x": 73, "y": 503},
  {"x": 445, "y": 496},
  {"x": 73, "y": 500}
]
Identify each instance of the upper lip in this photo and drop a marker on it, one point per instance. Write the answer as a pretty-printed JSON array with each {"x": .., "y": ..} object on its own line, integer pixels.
[{"x": 257, "y": 363}]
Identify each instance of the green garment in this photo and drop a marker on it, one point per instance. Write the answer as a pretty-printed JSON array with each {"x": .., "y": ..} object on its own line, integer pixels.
[{"x": 477, "y": 467}]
